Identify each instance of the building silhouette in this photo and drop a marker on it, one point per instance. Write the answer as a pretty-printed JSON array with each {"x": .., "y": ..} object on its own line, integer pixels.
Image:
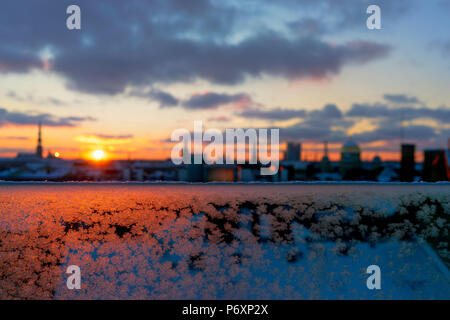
[
  {"x": 435, "y": 166},
  {"x": 325, "y": 165},
  {"x": 350, "y": 159},
  {"x": 376, "y": 163},
  {"x": 293, "y": 151},
  {"x": 38, "y": 154},
  {"x": 407, "y": 165}
]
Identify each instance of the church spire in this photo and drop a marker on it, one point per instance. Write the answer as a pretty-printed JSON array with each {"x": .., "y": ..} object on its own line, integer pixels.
[{"x": 39, "y": 149}]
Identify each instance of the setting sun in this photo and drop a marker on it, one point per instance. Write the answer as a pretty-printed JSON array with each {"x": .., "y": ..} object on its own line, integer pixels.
[{"x": 98, "y": 155}]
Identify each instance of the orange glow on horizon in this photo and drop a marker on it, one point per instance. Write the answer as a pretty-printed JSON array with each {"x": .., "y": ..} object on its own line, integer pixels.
[{"x": 98, "y": 155}]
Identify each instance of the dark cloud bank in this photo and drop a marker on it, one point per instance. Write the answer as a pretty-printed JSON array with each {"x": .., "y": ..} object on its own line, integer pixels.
[
  {"x": 22, "y": 119},
  {"x": 134, "y": 43},
  {"x": 331, "y": 124}
]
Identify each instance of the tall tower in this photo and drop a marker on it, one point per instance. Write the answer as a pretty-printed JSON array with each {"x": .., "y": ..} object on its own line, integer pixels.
[
  {"x": 39, "y": 149},
  {"x": 325, "y": 165}
]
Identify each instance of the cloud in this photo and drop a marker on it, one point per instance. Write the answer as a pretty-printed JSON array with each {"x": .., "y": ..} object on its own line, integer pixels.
[
  {"x": 406, "y": 113},
  {"x": 104, "y": 139},
  {"x": 331, "y": 124},
  {"x": 213, "y": 100},
  {"x": 389, "y": 130},
  {"x": 328, "y": 113},
  {"x": 316, "y": 19},
  {"x": 219, "y": 119},
  {"x": 15, "y": 138},
  {"x": 305, "y": 131},
  {"x": 400, "y": 98},
  {"x": 386, "y": 130},
  {"x": 32, "y": 99},
  {"x": 14, "y": 60},
  {"x": 307, "y": 27},
  {"x": 165, "y": 99},
  {"x": 331, "y": 16},
  {"x": 13, "y": 95},
  {"x": 327, "y": 124},
  {"x": 160, "y": 42},
  {"x": 203, "y": 101},
  {"x": 32, "y": 118},
  {"x": 118, "y": 137},
  {"x": 273, "y": 114},
  {"x": 6, "y": 151}
]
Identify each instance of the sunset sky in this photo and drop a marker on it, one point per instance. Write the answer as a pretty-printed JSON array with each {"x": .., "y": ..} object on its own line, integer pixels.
[{"x": 137, "y": 70}]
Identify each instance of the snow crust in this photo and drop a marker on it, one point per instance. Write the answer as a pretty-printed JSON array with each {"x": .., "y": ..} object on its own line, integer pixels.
[{"x": 224, "y": 241}]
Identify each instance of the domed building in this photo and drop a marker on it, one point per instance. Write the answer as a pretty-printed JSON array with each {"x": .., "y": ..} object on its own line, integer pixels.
[
  {"x": 376, "y": 163},
  {"x": 350, "y": 157}
]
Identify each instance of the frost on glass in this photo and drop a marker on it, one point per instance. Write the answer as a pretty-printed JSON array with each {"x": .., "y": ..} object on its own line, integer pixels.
[{"x": 224, "y": 242}]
